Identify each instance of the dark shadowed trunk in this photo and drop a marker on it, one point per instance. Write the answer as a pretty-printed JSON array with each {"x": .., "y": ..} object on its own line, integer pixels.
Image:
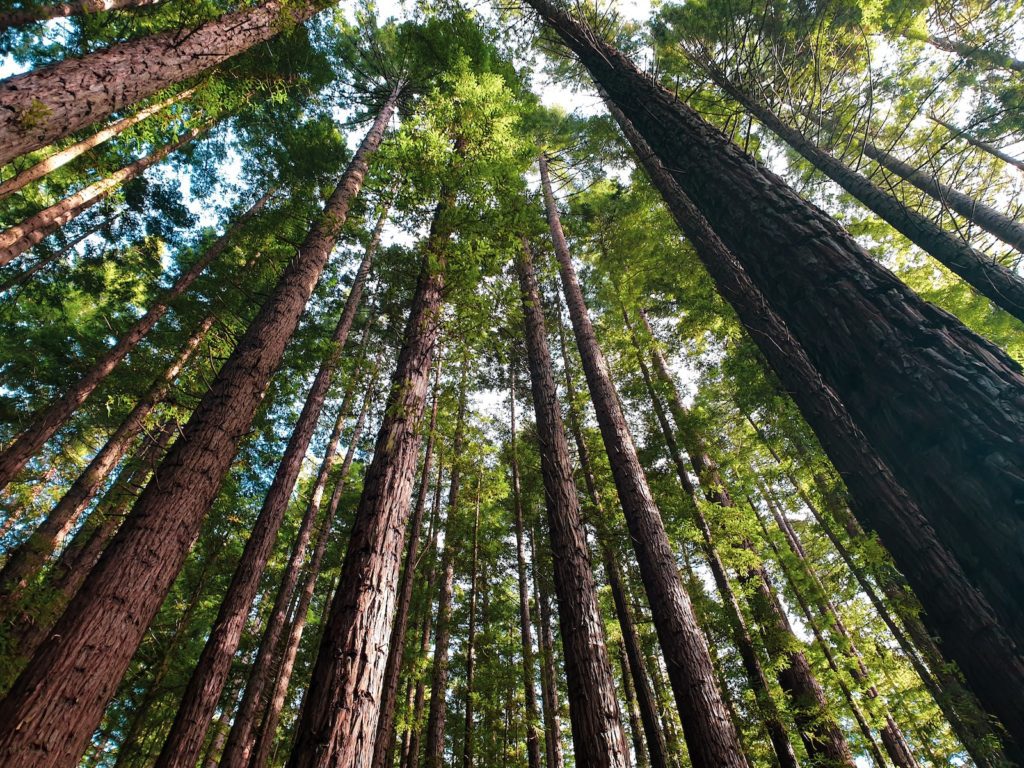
[
  {"x": 474, "y": 597},
  {"x": 978, "y": 143},
  {"x": 635, "y": 729},
  {"x": 593, "y": 706},
  {"x": 548, "y": 677},
  {"x": 125, "y": 589}
]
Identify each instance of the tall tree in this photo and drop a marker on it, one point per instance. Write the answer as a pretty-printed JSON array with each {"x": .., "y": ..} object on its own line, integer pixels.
[
  {"x": 23, "y": 16},
  {"x": 468, "y": 748},
  {"x": 125, "y": 589}
]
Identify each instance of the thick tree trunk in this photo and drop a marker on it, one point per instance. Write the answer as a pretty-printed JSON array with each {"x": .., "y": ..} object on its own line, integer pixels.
[
  {"x": 984, "y": 146},
  {"x": 46, "y": 104},
  {"x": 61, "y": 158},
  {"x": 433, "y": 756},
  {"x": 392, "y": 672},
  {"x": 47, "y": 421},
  {"x": 949, "y": 423},
  {"x": 95, "y": 639},
  {"x": 25, "y": 561},
  {"x": 17, "y": 239},
  {"x": 340, "y": 711},
  {"x": 710, "y": 735},
  {"x": 1002, "y": 286},
  {"x": 474, "y": 597},
  {"x": 264, "y": 738},
  {"x": 956, "y": 611},
  {"x": 548, "y": 678},
  {"x": 23, "y": 16},
  {"x": 525, "y": 624},
  {"x": 593, "y": 706}
]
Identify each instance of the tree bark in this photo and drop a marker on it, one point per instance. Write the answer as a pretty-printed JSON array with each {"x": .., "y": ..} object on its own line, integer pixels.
[
  {"x": 635, "y": 729},
  {"x": 548, "y": 679},
  {"x": 95, "y": 639},
  {"x": 45, "y": 105},
  {"x": 64, "y": 156},
  {"x": 264, "y": 741},
  {"x": 24, "y": 16},
  {"x": 46, "y": 422},
  {"x": 984, "y": 146},
  {"x": 184, "y": 742},
  {"x": 976, "y": 54},
  {"x": 56, "y": 255},
  {"x": 467, "y": 742},
  {"x": 17, "y": 239},
  {"x": 710, "y": 735},
  {"x": 597, "y": 731},
  {"x": 339, "y": 714},
  {"x": 956, "y": 610},
  {"x": 525, "y": 624},
  {"x": 392, "y": 673}
]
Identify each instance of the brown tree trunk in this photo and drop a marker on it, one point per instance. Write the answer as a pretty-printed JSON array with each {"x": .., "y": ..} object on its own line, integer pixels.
[
  {"x": 635, "y": 729},
  {"x": 525, "y": 624},
  {"x": 339, "y": 714},
  {"x": 710, "y": 735},
  {"x": 976, "y": 54},
  {"x": 984, "y": 146},
  {"x": 25, "y": 561},
  {"x": 94, "y": 641},
  {"x": 47, "y": 421},
  {"x": 23, "y": 16},
  {"x": 56, "y": 255},
  {"x": 61, "y": 158},
  {"x": 433, "y": 756},
  {"x": 45, "y": 105},
  {"x": 548, "y": 678},
  {"x": 17, "y": 239},
  {"x": 392, "y": 673},
  {"x": 181, "y": 750},
  {"x": 1002, "y": 286},
  {"x": 467, "y": 742},
  {"x": 956, "y": 611},
  {"x": 593, "y": 706},
  {"x": 264, "y": 739}
]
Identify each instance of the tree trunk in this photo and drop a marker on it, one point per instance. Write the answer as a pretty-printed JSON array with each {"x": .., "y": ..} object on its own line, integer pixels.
[
  {"x": 976, "y": 54},
  {"x": 639, "y": 748},
  {"x": 392, "y": 673},
  {"x": 593, "y": 706},
  {"x": 25, "y": 561},
  {"x": 956, "y": 611},
  {"x": 978, "y": 143},
  {"x": 46, "y": 104},
  {"x": 17, "y": 239},
  {"x": 55, "y": 256},
  {"x": 467, "y": 742},
  {"x": 62, "y": 157},
  {"x": 433, "y": 756},
  {"x": 548, "y": 677},
  {"x": 525, "y": 625},
  {"x": 47, "y": 421},
  {"x": 710, "y": 735},
  {"x": 125, "y": 589},
  {"x": 339, "y": 714},
  {"x": 942, "y": 419},
  {"x": 23, "y": 16},
  {"x": 264, "y": 738}
]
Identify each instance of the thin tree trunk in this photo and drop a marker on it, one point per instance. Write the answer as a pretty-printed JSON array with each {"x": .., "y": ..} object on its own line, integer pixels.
[
  {"x": 597, "y": 731},
  {"x": 17, "y": 239},
  {"x": 127, "y": 586},
  {"x": 433, "y": 756},
  {"x": 46, "y": 422},
  {"x": 635, "y": 729},
  {"x": 264, "y": 740},
  {"x": 25, "y": 561},
  {"x": 710, "y": 735},
  {"x": 55, "y": 256},
  {"x": 956, "y": 611},
  {"x": 467, "y": 742},
  {"x": 62, "y": 157},
  {"x": 24, "y": 16},
  {"x": 339, "y": 714},
  {"x": 392, "y": 673},
  {"x": 984, "y": 146},
  {"x": 45, "y": 105},
  {"x": 976, "y": 54},
  {"x": 548, "y": 679},
  {"x": 525, "y": 624}
]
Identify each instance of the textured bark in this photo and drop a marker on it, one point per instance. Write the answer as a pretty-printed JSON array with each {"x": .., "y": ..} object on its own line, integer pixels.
[
  {"x": 635, "y": 729},
  {"x": 339, "y": 714},
  {"x": 984, "y": 146},
  {"x": 264, "y": 743},
  {"x": 548, "y": 679},
  {"x": 593, "y": 706},
  {"x": 94, "y": 641},
  {"x": 1002, "y": 286},
  {"x": 64, "y": 156},
  {"x": 23, "y": 16},
  {"x": 474, "y": 598},
  {"x": 46, "y": 104},
  {"x": 433, "y": 755},
  {"x": 710, "y": 735},
  {"x": 955, "y": 610},
  {"x": 185, "y": 739},
  {"x": 525, "y": 623},
  {"x": 17, "y": 239},
  {"x": 46, "y": 422},
  {"x": 25, "y": 561},
  {"x": 392, "y": 673}
]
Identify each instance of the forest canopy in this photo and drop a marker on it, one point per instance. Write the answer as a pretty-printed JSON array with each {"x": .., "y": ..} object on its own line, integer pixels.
[{"x": 546, "y": 384}]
